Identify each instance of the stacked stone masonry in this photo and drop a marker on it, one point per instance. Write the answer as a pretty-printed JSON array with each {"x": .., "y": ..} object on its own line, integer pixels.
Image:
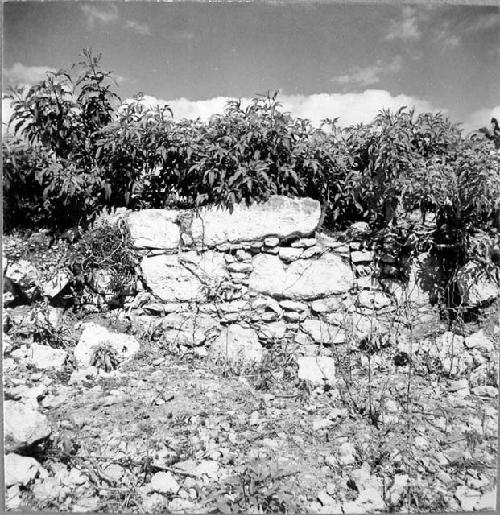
[{"x": 232, "y": 283}]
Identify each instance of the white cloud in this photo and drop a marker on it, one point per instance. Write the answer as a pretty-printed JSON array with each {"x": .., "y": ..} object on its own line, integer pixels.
[
  {"x": 350, "y": 108},
  {"x": 481, "y": 118},
  {"x": 446, "y": 37},
  {"x": 101, "y": 14},
  {"x": 368, "y": 75},
  {"x": 142, "y": 29},
  {"x": 21, "y": 74},
  {"x": 414, "y": 21},
  {"x": 407, "y": 28},
  {"x": 483, "y": 22},
  {"x": 364, "y": 76},
  {"x": 184, "y": 108}
]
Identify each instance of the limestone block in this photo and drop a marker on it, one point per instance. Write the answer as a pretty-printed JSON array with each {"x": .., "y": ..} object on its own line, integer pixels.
[
  {"x": 24, "y": 426},
  {"x": 154, "y": 229},
  {"x": 477, "y": 287},
  {"x": 373, "y": 299},
  {"x": 280, "y": 217},
  {"x": 322, "y": 332},
  {"x": 317, "y": 369},
  {"x": 274, "y": 330},
  {"x": 189, "y": 328},
  {"x": 44, "y": 357},
  {"x": 186, "y": 276},
  {"x": 20, "y": 470},
  {"x": 362, "y": 256},
  {"x": 303, "y": 279},
  {"x": 237, "y": 343},
  {"x": 288, "y": 254}
]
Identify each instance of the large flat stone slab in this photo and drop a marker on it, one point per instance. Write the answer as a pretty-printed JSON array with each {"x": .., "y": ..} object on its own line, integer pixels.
[
  {"x": 280, "y": 216},
  {"x": 154, "y": 229},
  {"x": 184, "y": 277},
  {"x": 303, "y": 279},
  {"x": 189, "y": 328}
]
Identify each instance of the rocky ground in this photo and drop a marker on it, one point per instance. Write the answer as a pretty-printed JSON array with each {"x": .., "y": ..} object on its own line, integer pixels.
[{"x": 176, "y": 431}]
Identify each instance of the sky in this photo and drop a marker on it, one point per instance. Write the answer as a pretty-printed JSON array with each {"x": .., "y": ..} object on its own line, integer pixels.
[{"x": 327, "y": 59}]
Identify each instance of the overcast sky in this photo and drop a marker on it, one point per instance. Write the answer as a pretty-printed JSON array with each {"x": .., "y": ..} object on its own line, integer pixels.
[{"x": 328, "y": 59}]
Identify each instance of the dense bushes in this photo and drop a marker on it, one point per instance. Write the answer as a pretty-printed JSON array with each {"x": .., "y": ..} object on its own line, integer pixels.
[
  {"x": 82, "y": 152},
  {"x": 58, "y": 120}
]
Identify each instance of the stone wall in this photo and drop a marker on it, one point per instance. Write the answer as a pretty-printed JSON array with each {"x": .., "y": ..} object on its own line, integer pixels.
[{"x": 232, "y": 283}]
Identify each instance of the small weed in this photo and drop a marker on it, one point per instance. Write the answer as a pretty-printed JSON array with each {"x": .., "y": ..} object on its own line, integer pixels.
[
  {"x": 256, "y": 490},
  {"x": 105, "y": 357},
  {"x": 473, "y": 439},
  {"x": 425, "y": 500},
  {"x": 278, "y": 365}
]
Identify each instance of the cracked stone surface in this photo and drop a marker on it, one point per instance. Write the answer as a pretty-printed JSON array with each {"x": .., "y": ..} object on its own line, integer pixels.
[
  {"x": 280, "y": 217},
  {"x": 302, "y": 279}
]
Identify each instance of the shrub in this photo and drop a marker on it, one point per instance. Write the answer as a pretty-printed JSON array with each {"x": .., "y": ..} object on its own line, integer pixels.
[
  {"x": 59, "y": 118},
  {"x": 84, "y": 154},
  {"x": 24, "y": 202},
  {"x": 105, "y": 246}
]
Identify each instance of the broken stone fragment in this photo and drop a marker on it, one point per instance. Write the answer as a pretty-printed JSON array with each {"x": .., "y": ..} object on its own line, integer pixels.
[
  {"x": 362, "y": 256},
  {"x": 373, "y": 299},
  {"x": 24, "y": 426},
  {"x": 21, "y": 470},
  {"x": 317, "y": 369},
  {"x": 479, "y": 341},
  {"x": 289, "y": 254},
  {"x": 271, "y": 242},
  {"x": 164, "y": 482},
  {"x": 304, "y": 243},
  {"x": 326, "y": 305},
  {"x": 240, "y": 267},
  {"x": 57, "y": 284},
  {"x": 44, "y": 357},
  {"x": 476, "y": 286},
  {"x": 290, "y": 305},
  {"x": 273, "y": 331}
]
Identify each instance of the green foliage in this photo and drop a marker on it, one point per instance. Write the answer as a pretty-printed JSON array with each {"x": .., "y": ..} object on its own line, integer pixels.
[
  {"x": 45, "y": 333},
  {"x": 58, "y": 118},
  {"x": 24, "y": 202},
  {"x": 257, "y": 490},
  {"x": 82, "y": 152}
]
